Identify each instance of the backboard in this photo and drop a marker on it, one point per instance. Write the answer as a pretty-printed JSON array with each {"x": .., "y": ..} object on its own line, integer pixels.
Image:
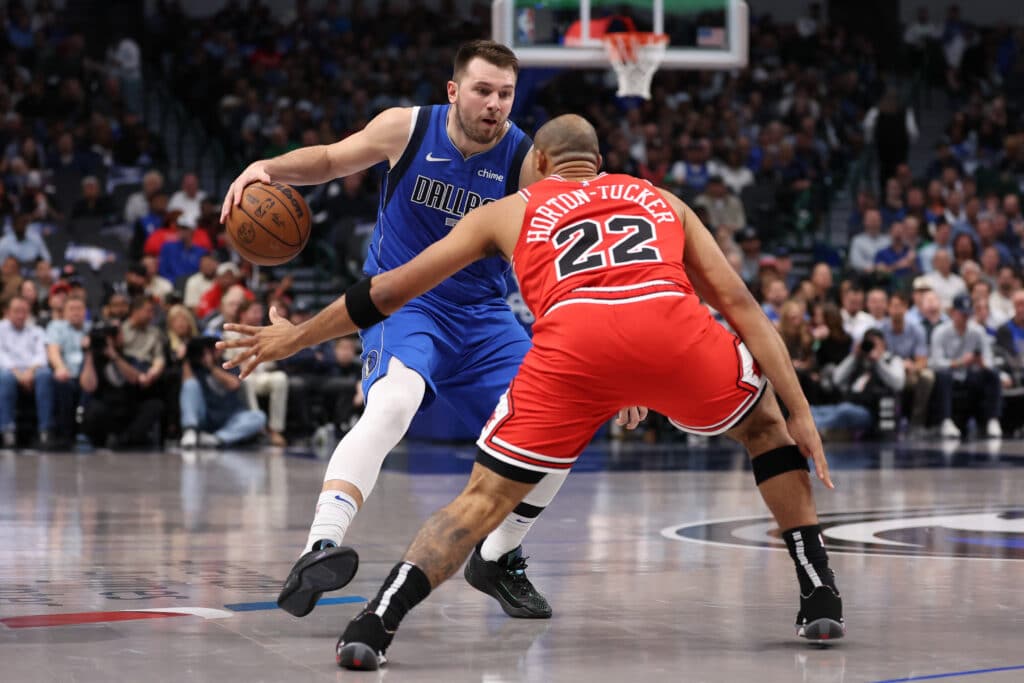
[{"x": 703, "y": 34}]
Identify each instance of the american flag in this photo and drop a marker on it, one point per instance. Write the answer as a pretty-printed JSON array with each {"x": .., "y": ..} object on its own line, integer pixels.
[{"x": 710, "y": 37}]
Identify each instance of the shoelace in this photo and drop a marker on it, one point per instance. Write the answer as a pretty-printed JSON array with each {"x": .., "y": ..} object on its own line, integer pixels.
[{"x": 516, "y": 570}]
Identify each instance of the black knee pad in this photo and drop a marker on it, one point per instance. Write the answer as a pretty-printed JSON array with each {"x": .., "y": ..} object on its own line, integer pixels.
[{"x": 778, "y": 461}]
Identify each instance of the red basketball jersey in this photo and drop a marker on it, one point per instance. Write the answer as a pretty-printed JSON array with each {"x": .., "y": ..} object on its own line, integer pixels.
[{"x": 611, "y": 238}]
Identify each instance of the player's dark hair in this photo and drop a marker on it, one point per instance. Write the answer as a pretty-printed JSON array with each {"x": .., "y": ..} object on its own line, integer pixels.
[{"x": 488, "y": 50}]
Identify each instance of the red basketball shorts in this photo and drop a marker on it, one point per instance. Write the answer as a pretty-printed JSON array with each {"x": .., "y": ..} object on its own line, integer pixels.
[{"x": 589, "y": 360}]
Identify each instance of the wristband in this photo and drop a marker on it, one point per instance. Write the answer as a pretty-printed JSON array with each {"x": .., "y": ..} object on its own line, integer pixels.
[{"x": 361, "y": 309}]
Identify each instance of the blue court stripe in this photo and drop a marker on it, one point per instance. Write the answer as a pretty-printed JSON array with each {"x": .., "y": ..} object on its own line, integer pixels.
[
  {"x": 256, "y": 606},
  {"x": 973, "y": 672},
  {"x": 992, "y": 542}
]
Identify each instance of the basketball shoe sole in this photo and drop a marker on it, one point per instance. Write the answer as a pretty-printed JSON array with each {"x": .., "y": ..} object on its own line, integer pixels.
[{"x": 316, "y": 573}]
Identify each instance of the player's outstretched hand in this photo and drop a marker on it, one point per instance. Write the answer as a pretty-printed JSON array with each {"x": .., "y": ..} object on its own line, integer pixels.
[
  {"x": 631, "y": 417},
  {"x": 261, "y": 344},
  {"x": 255, "y": 171},
  {"x": 805, "y": 433}
]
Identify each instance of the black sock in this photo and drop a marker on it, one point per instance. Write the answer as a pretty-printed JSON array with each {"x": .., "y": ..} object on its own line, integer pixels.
[
  {"x": 809, "y": 556},
  {"x": 405, "y": 587}
]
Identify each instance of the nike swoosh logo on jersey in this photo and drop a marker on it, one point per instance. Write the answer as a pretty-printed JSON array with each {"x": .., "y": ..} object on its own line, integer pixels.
[{"x": 431, "y": 157}]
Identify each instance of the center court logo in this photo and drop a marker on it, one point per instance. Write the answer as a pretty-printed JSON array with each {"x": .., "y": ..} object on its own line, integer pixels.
[{"x": 986, "y": 532}]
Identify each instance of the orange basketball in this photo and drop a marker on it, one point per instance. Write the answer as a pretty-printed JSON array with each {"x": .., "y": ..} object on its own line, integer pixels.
[{"x": 271, "y": 225}]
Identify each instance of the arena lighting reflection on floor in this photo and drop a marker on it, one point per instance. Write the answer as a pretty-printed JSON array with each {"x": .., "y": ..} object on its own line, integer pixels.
[
  {"x": 723, "y": 455},
  {"x": 926, "y": 536}
]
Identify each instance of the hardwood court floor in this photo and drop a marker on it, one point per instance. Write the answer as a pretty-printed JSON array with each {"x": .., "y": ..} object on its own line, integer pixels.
[{"x": 658, "y": 561}]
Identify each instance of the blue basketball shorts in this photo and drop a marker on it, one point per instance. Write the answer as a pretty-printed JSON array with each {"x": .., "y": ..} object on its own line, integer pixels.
[{"x": 467, "y": 354}]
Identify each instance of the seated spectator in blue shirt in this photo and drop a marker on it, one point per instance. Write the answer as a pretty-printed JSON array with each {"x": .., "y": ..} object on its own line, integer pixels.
[
  {"x": 892, "y": 207},
  {"x": 19, "y": 29},
  {"x": 154, "y": 219},
  {"x": 988, "y": 237},
  {"x": 774, "y": 293},
  {"x": 24, "y": 245},
  {"x": 942, "y": 238},
  {"x": 180, "y": 258},
  {"x": 66, "y": 350},
  {"x": 23, "y": 364},
  {"x": 980, "y": 292},
  {"x": 898, "y": 258},
  {"x": 693, "y": 172},
  {"x": 961, "y": 356},
  {"x": 907, "y": 339},
  {"x": 214, "y": 411},
  {"x": 1010, "y": 337},
  {"x": 71, "y": 162}
]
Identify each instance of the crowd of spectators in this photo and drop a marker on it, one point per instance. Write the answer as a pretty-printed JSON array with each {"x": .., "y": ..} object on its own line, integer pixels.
[
  {"x": 110, "y": 341},
  {"x": 926, "y": 324},
  {"x": 760, "y": 147},
  {"x": 143, "y": 367},
  {"x": 928, "y": 307}
]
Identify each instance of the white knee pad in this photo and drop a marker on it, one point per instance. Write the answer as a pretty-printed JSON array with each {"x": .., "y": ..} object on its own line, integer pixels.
[{"x": 390, "y": 406}]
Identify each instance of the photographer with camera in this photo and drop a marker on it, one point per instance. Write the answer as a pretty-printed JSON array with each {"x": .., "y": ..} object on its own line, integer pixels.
[
  {"x": 119, "y": 409},
  {"x": 871, "y": 375},
  {"x": 213, "y": 405},
  {"x": 143, "y": 344}
]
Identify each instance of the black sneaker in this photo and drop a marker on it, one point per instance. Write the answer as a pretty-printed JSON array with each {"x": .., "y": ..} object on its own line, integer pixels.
[
  {"x": 361, "y": 647},
  {"x": 317, "y": 572},
  {"x": 505, "y": 580},
  {"x": 821, "y": 615}
]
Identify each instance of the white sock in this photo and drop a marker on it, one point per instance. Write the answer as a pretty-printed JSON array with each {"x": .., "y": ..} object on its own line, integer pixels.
[
  {"x": 508, "y": 536},
  {"x": 335, "y": 510},
  {"x": 510, "y": 533}
]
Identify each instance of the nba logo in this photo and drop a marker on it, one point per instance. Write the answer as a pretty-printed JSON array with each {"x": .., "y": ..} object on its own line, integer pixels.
[{"x": 525, "y": 25}]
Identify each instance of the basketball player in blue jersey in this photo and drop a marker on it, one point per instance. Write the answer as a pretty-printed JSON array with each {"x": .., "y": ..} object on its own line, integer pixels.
[{"x": 459, "y": 343}]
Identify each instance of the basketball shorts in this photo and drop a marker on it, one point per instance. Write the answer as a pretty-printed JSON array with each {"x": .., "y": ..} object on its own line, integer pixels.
[
  {"x": 589, "y": 360},
  {"x": 466, "y": 355}
]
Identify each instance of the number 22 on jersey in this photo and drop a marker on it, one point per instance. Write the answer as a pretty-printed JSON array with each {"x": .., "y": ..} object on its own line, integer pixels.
[{"x": 589, "y": 245}]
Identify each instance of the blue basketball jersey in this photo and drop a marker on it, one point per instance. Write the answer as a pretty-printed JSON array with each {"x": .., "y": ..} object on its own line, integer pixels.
[{"x": 430, "y": 188}]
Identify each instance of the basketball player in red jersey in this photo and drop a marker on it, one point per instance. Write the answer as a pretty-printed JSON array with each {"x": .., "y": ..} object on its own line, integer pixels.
[{"x": 613, "y": 268}]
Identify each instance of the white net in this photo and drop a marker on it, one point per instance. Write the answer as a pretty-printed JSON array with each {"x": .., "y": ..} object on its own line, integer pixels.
[{"x": 635, "y": 57}]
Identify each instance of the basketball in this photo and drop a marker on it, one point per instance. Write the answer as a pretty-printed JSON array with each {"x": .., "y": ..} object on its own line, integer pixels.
[{"x": 271, "y": 225}]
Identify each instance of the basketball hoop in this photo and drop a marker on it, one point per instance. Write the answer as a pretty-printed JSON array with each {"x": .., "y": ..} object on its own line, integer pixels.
[{"x": 635, "y": 56}]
